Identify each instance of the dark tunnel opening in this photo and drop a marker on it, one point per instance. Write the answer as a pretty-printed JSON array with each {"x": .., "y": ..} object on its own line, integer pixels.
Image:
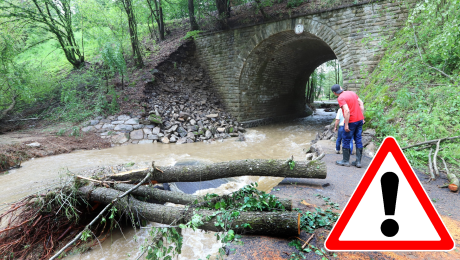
[{"x": 275, "y": 74}]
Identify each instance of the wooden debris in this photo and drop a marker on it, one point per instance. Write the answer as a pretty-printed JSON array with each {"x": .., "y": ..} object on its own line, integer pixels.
[{"x": 204, "y": 172}]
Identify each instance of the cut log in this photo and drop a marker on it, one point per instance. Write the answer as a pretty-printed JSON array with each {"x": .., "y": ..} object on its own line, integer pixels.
[
  {"x": 204, "y": 172},
  {"x": 175, "y": 197},
  {"x": 282, "y": 224}
]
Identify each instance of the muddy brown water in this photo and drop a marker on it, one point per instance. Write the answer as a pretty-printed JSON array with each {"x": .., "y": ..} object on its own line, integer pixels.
[{"x": 280, "y": 141}]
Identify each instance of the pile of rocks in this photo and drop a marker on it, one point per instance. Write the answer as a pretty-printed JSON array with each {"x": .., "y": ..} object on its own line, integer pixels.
[
  {"x": 182, "y": 105},
  {"x": 185, "y": 128},
  {"x": 329, "y": 134}
]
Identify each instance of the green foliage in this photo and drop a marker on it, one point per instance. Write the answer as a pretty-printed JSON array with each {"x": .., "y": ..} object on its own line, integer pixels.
[
  {"x": 156, "y": 119},
  {"x": 85, "y": 235},
  {"x": 294, "y": 3},
  {"x": 192, "y": 34},
  {"x": 310, "y": 221},
  {"x": 112, "y": 57},
  {"x": 291, "y": 164},
  {"x": 130, "y": 164},
  {"x": 168, "y": 244},
  {"x": 321, "y": 80},
  {"x": 82, "y": 95},
  {"x": 320, "y": 218},
  {"x": 406, "y": 97},
  {"x": 247, "y": 198}
]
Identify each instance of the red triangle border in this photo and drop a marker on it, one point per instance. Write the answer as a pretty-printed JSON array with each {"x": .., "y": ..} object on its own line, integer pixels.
[{"x": 333, "y": 243}]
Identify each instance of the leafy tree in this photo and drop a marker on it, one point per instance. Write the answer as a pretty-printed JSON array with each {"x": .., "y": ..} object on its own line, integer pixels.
[
  {"x": 157, "y": 12},
  {"x": 54, "y": 16},
  {"x": 137, "y": 55},
  {"x": 223, "y": 8},
  {"x": 191, "y": 11}
]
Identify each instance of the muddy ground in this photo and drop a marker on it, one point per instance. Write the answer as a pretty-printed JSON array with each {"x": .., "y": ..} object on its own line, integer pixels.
[
  {"x": 339, "y": 186},
  {"x": 14, "y": 148}
]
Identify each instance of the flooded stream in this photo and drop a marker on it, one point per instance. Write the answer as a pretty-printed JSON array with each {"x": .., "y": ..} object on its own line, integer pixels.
[{"x": 279, "y": 141}]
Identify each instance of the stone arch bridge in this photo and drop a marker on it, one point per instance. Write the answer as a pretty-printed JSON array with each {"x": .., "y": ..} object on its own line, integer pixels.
[{"x": 261, "y": 71}]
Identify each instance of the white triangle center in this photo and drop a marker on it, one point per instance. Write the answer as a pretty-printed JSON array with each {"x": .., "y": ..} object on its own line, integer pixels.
[{"x": 414, "y": 224}]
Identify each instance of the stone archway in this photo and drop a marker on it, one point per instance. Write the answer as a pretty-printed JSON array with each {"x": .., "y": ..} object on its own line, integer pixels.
[{"x": 274, "y": 73}]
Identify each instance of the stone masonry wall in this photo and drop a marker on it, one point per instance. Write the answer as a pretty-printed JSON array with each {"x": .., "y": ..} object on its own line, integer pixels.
[{"x": 261, "y": 71}]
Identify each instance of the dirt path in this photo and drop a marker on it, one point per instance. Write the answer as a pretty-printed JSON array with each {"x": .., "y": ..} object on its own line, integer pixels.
[{"x": 339, "y": 186}]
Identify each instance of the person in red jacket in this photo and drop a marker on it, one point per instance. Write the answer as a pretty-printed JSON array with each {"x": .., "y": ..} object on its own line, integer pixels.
[{"x": 353, "y": 112}]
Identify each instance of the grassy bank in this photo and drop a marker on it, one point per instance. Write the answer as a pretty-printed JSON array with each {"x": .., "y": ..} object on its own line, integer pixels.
[{"x": 413, "y": 94}]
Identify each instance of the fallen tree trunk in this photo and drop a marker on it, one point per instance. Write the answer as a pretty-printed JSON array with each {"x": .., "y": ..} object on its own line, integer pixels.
[
  {"x": 176, "y": 197},
  {"x": 257, "y": 167},
  {"x": 262, "y": 223}
]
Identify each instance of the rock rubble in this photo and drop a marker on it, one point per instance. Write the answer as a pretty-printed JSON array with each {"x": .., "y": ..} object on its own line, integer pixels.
[
  {"x": 182, "y": 108},
  {"x": 367, "y": 137}
]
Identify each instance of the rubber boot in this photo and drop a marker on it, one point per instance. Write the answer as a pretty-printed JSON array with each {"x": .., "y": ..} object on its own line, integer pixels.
[
  {"x": 359, "y": 155},
  {"x": 346, "y": 158}
]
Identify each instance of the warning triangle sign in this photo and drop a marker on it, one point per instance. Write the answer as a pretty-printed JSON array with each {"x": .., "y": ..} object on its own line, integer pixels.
[{"x": 389, "y": 210}]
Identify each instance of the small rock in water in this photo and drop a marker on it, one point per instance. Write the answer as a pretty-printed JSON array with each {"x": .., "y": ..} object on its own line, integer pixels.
[
  {"x": 165, "y": 140},
  {"x": 182, "y": 140},
  {"x": 173, "y": 139},
  {"x": 145, "y": 141}
]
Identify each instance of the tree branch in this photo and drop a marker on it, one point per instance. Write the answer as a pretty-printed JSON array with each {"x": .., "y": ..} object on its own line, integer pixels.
[{"x": 100, "y": 214}]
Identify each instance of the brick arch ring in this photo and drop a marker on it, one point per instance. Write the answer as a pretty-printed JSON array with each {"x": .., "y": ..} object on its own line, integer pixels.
[{"x": 320, "y": 30}]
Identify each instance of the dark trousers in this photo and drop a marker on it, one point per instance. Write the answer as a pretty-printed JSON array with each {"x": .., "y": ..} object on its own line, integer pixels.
[
  {"x": 356, "y": 130},
  {"x": 340, "y": 139}
]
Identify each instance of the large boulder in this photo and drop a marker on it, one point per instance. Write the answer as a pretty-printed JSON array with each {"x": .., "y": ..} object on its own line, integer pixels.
[
  {"x": 132, "y": 121},
  {"x": 126, "y": 128},
  {"x": 123, "y": 117},
  {"x": 137, "y": 134},
  {"x": 120, "y": 138}
]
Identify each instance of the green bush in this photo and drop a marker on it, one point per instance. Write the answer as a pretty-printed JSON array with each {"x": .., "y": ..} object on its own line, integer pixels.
[{"x": 413, "y": 93}]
